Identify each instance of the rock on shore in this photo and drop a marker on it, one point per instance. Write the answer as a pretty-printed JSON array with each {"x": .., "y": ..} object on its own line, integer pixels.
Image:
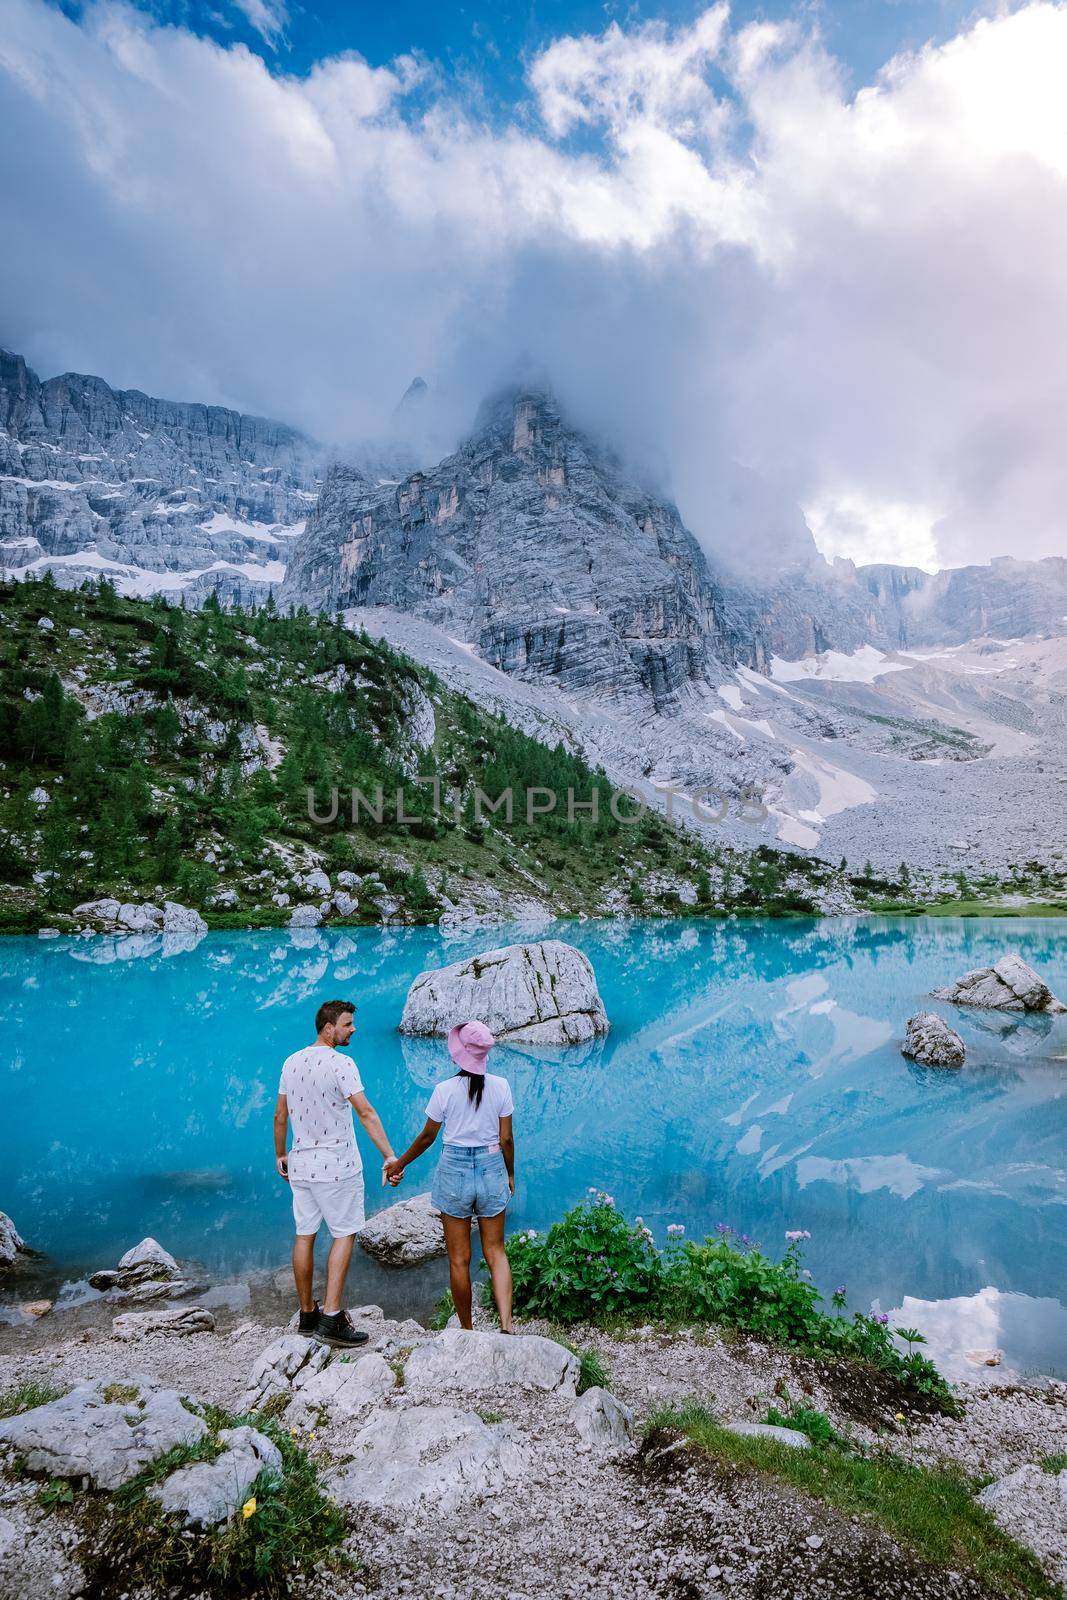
[
  {"x": 544, "y": 993},
  {"x": 1008, "y": 985},
  {"x": 929, "y": 1039},
  {"x": 404, "y": 1234}
]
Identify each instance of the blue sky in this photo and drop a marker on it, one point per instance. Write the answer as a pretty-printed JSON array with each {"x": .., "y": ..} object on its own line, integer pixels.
[
  {"x": 487, "y": 44},
  {"x": 780, "y": 276}
]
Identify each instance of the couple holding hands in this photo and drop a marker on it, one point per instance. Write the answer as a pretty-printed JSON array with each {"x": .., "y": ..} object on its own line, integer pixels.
[{"x": 475, "y": 1177}]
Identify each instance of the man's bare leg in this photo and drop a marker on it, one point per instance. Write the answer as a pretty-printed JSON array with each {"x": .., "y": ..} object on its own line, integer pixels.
[
  {"x": 304, "y": 1269},
  {"x": 336, "y": 1272}
]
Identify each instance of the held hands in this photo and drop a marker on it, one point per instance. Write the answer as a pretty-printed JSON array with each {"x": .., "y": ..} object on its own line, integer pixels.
[{"x": 392, "y": 1171}]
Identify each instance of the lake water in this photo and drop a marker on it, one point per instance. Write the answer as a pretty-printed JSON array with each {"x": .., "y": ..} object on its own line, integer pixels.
[{"x": 752, "y": 1076}]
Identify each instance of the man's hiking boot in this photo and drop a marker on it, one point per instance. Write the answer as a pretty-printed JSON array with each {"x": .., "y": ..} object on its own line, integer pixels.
[
  {"x": 338, "y": 1331},
  {"x": 309, "y": 1320}
]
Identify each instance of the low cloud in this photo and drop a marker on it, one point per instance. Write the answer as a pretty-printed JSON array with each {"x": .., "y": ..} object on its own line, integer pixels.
[{"x": 769, "y": 290}]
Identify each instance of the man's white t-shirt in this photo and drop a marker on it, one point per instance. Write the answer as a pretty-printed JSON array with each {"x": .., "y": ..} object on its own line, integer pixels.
[
  {"x": 316, "y": 1083},
  {"x": 464, "y": 1122}
]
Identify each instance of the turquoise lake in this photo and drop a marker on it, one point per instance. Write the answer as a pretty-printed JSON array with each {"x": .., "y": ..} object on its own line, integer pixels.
[{"x": 752, "y": 1076}]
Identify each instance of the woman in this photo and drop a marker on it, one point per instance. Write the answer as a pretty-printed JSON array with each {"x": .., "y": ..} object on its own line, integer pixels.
[{"x": 476, "y": 1172}]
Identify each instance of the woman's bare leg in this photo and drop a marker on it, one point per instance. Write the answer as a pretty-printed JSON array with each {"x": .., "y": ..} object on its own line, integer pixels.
[
  {"x": 458, "y": 1245},
  {"x": 492, "y": 1232}
]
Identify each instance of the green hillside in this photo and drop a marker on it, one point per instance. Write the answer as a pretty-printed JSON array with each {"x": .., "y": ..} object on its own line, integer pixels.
[{"x": 149, "y": 752}]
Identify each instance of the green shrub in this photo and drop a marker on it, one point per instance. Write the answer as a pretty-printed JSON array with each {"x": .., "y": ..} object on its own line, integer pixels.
[
  {"x": 27, "y": 1397},
  {"x": 591, "y": 1266},
  {"x": 594, "y": 1266}
]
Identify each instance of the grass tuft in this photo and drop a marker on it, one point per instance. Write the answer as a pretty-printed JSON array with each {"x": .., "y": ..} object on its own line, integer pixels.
[
  {"x": 27, "y": 1396},
  {"x": 932, "y": 1512}
]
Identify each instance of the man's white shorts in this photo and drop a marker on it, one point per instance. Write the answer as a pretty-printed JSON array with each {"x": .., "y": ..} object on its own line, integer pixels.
[{"x": 339, "y": 1204}]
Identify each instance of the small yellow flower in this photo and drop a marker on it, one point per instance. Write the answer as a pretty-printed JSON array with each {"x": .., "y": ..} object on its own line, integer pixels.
[
  {"x": 311, "y": 1435},
  {"x": 900, "y": 1416},
  {"x": 248, "y": 1508},
  {"x": 294, "y": 1432}
]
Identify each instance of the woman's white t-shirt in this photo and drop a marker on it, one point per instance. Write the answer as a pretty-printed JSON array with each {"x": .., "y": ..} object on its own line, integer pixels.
[{"x": 465, "y": 1122}]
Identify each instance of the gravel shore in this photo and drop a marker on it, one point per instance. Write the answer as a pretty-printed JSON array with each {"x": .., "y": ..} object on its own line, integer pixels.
[{"x": 585, "y": 1524}]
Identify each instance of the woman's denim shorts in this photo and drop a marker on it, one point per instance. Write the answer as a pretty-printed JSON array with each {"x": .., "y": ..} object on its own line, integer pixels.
[{"x": 471, "y": 1181}]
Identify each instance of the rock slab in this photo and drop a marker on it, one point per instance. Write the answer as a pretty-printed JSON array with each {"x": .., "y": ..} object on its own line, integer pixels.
[
  {"x": 107, "y": 1442},
  {"x": 207, "y": 1492},
  {"x": 542, "y": 993},
  {"x": 404, "y": 1234},
  {"x": 288, "y": 1361},
  {"x": 1008, "y": 985},
  {"x": 602, "y": 1420},
  {"x": 436, "y": 1455},
  {"x": 344, "y": 1390},
  {"x": 460, "y": 1358},
  {"x": 768, "y": 1430},
  {"x": 929, "y": 1039},
  {"x": 175, "y": 1323}
]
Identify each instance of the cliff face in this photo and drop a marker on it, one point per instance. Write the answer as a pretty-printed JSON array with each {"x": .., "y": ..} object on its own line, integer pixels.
[
  {"x": 183, "y": 496},
  {"x": 530, "y": 543}
]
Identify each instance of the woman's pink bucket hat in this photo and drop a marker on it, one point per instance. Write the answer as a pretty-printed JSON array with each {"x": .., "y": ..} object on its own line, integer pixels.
[{"x": 468, "y": 1044}]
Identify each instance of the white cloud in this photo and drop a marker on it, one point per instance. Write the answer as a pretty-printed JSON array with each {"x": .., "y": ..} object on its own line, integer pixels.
[
  {"x": 268, "y": 17},
  {"x": 856, "y": 298}
]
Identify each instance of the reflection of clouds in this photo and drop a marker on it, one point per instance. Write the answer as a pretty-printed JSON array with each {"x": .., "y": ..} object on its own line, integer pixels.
[
  {"x": 749, "y": 1142},
  {"x": 236, "y": 1109},
  {"x": 897, "y": 1173},
  {"x": 547, "y": 1082},
  {"x": 1022, "y": 1326}
]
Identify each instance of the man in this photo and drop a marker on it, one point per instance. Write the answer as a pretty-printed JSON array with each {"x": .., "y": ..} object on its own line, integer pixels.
[{"x": 323, "y": 1169}]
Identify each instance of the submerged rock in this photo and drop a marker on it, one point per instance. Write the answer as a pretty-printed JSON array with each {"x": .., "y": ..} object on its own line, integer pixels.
[
  {"x": 1008, "y": 985},
  {"x": 542, "y": 993},
  {"x": 436, "y": 1455},
  {"x": 460, "y": 1358},
  {"x": 930, "y": 1040},
  {"x": 404, "y": 1234}
]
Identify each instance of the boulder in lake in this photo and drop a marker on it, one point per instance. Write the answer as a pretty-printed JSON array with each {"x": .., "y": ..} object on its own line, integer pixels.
[
  {"x": 542, "y": 993},
  {"x": 1008, "y": 985},
  {"x": 12, "y": 1245},
  {"x": 207, "y": 1492},
  {"x": 428, "y": 1456},
  {"x": 404, "y": 1234},
  {"x": 461, "y": 1358},
  {"x": 106, "y": 1432},
  {"x": 929, "y": 1039}
]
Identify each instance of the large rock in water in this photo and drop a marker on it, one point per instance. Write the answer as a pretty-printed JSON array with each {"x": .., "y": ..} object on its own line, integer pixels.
[
  {"x": 541, "y": 993},
  {"x": 404, "y": 1234},
  {"x": 12, "y": 1244},
  {"x": 1008, "y": 985},
  {"x": 930, "y": 1040}
]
